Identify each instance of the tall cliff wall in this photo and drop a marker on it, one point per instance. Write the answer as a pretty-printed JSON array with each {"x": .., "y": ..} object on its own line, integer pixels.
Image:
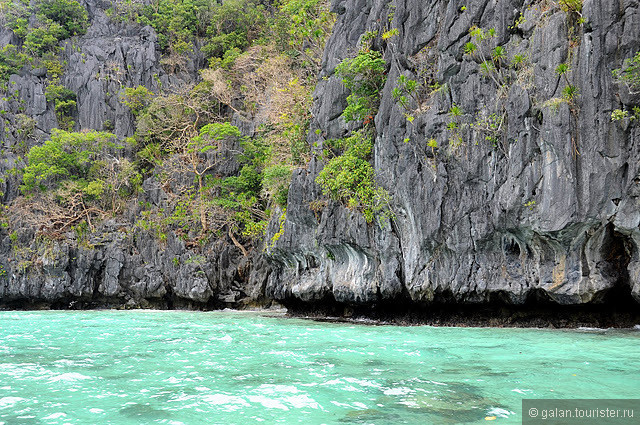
[
  {"x": 545, "y": 212},
  {"x": 117, "y": 264},
  {"x": 532, "y": 200}
]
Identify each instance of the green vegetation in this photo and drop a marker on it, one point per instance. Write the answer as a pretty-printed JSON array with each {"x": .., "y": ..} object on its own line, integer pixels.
[
  {"x": 217, "y": 183},
  {"x": 629, "y": 76},
  {"x": 405, "y": 90},
  {"x": 137, "y": 99},
  {"x": 454, "y": 127},
  {"x": 76, "y": 177},
  {"x": 11, "y": 61},
  {"x": 56, "y": 20},
  {"x": 570, "y": 92},
  {"x": 492, "y": 62},
  {"x": 629, "y": 73},
  {"x": 64, "y": 103},
  {"x": 620, "y": 115},
  {"x": 491, "y": 126},
  {"x": 307, "y": 24},
  {"x": 348, "y": 175},
  {"x": 350, "y": 178},
  {"x": 70, "y": 15},
  {"x": 570, "y": 5},
  {"x": 364, "y": 76},
  {"x": 67, "y": 156}
]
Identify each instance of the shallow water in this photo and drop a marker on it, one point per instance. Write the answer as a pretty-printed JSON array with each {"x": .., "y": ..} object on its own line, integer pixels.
[{"x": 141, "y": 367}]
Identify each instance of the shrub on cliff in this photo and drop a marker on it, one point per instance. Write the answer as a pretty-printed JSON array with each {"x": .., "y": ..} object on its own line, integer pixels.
[
  {"x": 364, "y": 76},
  {"x": 69, "y": 14},
  {"x": 629, "y": 73},
  {"x": 75, "y": 178},
  {"x": 67, "y": 156},
  {"x": 350, "y": 178}
]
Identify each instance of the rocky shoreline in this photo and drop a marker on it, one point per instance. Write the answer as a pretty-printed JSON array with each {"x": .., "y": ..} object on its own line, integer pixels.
[
  {"x": 535, "y": 224},
  {"x": 496, "y": 316}
]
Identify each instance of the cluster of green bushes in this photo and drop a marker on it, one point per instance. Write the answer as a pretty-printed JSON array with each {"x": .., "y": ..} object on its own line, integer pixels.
[
  {"x": 364, "y": 76},
  {"x": 75, "y": 178},
  {"x": 64, "y": 101},
  {"x": 348, "y": 175},
  {"x": 350, "y": 178},
  {"x": 258, "y": 53},
  {"x": 226, "y": 29},
  {"x": 55, "y": 20},
  {"x": 628, "y": 76}
]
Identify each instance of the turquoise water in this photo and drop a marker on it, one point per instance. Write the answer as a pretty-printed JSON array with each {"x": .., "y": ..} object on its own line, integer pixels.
[{"x": 143, "y": 367}]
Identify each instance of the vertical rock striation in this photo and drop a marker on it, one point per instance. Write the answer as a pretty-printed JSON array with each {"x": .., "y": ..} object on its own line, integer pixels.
[{"x": 546, "y": 212}]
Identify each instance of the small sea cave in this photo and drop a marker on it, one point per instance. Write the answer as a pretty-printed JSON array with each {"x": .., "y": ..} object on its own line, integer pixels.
[{"x": 615, "y": 254}]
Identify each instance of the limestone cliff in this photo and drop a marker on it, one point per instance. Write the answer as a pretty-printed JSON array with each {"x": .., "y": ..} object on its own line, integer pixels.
[
  {"x": 532, "y": 199},
  {"x": 546, "y": 211},
  {"x": 115, "y": 266}
]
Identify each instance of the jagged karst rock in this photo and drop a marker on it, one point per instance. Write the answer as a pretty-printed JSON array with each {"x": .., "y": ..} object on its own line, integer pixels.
[
  {"x": 118, "y": 265},
  {"x": 548, "y": 214}
]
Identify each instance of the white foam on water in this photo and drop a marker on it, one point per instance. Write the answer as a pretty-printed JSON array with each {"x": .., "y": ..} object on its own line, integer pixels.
[
  {"x": 276, "y": 389},
  {"x": 302, "y": 401},
  {"x": 500, "y": 413},
  {"x": 218, "y": 399},
  {"x": 6, "y": 402},
  {"x": 55, "y": 416},
  {"x": 519, "y": 391},
  {"x": 398, "y": 391},
  {"x": 96, "y": 410},
  {"x": 363, "y": 382},
  {"x": 410, "y": 403},
  {"x": 267, "y": 402},
  {"x": 637, "y": 327},
  {"x": 69, "y": 377},
  {"x": 339, "y": 404}
]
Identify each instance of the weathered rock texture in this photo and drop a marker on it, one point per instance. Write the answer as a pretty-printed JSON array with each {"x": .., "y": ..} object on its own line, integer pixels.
[
  {"x": 118, "y": 265},
  {"x": 131, "y": 270},
  {"x": 548, "y": 215}
]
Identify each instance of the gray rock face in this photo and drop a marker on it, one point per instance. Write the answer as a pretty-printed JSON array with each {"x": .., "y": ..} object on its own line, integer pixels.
[
  {"x": 133, "y": 269},
  {"x": 546, "y": 212},
  {"x": 119, "y": 265}
]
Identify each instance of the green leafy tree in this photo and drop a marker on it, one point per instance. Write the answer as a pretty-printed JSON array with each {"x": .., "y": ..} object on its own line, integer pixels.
[
  {"x": 70, "y": 15},
  {"x": 11, "y": 61},
  {"x": 65, "y": 156},
  {"x": 76, "y": 177},
  {"x": 364, "y": 76},
  {"x": 234, "y": 24},
  {"x": 307, "y": 24},
  {"x": 137, "y": 99},
  {"x": 629, "y": 73},
  {"x": 350, "y": 178},
  {"x": 64, "y": 103}
]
